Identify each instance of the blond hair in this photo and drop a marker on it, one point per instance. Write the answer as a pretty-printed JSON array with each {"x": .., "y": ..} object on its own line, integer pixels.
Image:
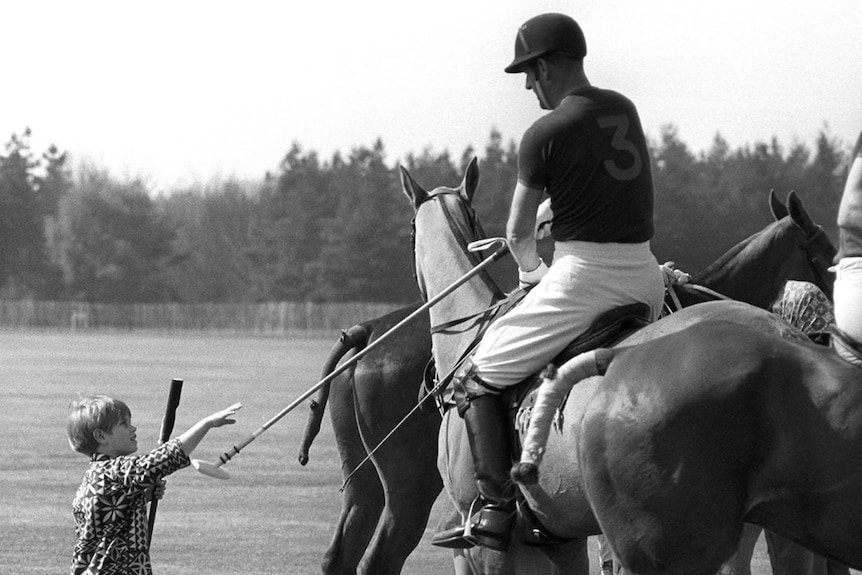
[{"x": 87, "y": 414}]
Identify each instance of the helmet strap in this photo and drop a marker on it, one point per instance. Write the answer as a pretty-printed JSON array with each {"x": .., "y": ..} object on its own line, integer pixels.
[
  {"x": 540, "y": 93},
  {"x": 537, "y": 87}
]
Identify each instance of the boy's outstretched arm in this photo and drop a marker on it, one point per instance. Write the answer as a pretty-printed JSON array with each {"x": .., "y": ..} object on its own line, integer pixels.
[{"x": 191, "y": 438}]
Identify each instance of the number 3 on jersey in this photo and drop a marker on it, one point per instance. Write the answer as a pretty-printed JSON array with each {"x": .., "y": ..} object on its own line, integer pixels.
[{"x": 620, "y": 125}]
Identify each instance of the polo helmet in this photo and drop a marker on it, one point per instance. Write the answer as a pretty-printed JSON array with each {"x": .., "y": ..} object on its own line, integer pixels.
[{"x": 545, "y": 34}]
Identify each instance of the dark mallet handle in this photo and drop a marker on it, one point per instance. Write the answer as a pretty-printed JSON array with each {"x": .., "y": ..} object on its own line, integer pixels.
[
  {"x": 165, "y": 434},
  {"x": 171, "y": 410}
]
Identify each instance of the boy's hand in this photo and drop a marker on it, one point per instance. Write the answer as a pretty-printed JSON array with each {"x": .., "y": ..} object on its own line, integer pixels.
[
  {"x": 157, "y": 491},
  {"x": 223, "y": 417}
]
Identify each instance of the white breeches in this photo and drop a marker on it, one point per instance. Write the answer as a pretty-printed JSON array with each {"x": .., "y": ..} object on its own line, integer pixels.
[
  {"x": 847, "y": 296},
  {"x": 585, "y": 280}
]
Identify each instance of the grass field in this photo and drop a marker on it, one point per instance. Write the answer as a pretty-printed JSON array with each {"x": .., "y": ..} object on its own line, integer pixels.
[{"x": 273, "y": 516}]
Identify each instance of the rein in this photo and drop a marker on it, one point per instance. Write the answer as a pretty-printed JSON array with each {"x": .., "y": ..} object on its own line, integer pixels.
[
  {"x": 463, "y": 241},
  {"x": 442, "y": 383},
  {"x": 501, "y": 300},
  {"x": 504, "y": 304},
  {"x": 806, "y": 243},
  {"x": 707, "y": 291},
  {"x": 485, "y": 316}
]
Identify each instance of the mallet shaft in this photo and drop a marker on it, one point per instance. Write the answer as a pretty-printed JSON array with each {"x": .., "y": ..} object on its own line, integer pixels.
[
  {"x": 499, "y": 253},
  {"x": 164, "y": 435}
]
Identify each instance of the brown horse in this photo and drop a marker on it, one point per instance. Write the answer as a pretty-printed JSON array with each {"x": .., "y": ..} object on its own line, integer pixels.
[
  {"x": 386, "y": 395},
  {"x": 385, "y": 509},
  {"x": 694, "y": 433},
  {"x": 444, "y": 222}
]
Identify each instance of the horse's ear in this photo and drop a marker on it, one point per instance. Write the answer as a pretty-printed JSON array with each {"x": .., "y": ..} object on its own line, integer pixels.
[
  {"x": 778, "y": 209},
  {"x": 798, "y": 213},
  {"x": 414, "y": 192},
  {"x": 471, "y": 180}
]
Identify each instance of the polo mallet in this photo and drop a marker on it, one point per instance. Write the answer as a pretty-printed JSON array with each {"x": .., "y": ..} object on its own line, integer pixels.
[
  {"x": 216, "y": 470},
  {"x": 164, "y": 435}
]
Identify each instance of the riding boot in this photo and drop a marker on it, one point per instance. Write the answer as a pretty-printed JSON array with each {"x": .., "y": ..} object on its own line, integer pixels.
[{"x": 493, "y": 512}]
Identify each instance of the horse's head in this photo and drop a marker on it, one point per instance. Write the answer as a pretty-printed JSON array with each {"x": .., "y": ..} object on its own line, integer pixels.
[
  {"x": 444, "y": 224},
  {"x": 813, "y": 242},
  {"x": 792, "y": 247}
]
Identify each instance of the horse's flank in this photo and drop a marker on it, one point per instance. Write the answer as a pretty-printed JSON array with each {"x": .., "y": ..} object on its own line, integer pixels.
[{"x": 748, "y": 426}]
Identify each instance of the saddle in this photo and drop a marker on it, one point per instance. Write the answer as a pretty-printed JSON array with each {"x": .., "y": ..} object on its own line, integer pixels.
[{"x": 606, "y": 330}]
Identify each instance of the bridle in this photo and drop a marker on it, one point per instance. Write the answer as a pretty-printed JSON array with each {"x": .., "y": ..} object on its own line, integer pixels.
[
  {"x": 463, "y": 237},
  {"x": 809, "y": 239}
]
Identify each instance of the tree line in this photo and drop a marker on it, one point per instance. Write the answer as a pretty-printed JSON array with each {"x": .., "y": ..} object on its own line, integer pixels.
[{"x": 338, "y": 229}]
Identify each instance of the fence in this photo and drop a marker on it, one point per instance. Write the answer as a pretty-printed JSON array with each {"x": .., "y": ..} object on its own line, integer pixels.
[{"x": 274, "y": 318}]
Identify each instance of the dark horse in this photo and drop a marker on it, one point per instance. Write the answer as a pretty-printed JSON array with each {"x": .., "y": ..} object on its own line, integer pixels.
[
  {"x": 375, "y": 396},
  {"x": 694, "y": 433},
  {"x": 385, "y": 505}
]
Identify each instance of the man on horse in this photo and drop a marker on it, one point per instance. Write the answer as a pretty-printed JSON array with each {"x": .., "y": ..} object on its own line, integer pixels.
[
  {"x": 848, "y": 281},
  {"x": 590, "y": 156}
]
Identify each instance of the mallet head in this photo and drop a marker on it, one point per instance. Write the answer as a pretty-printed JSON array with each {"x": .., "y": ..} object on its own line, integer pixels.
[{"x": 210, "y": 469}]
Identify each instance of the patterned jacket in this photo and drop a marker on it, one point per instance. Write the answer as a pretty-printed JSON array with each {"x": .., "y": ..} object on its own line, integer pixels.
[{"x": 110, "y": 510}]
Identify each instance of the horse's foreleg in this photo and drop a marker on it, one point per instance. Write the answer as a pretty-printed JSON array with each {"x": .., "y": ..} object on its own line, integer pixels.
[{"x": 570, "y": 558}]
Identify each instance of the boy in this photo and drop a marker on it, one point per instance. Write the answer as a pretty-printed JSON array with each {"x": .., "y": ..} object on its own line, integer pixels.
[{"x": 110, "y": 507}]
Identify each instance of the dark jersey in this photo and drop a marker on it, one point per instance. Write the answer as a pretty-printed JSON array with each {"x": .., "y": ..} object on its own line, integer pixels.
[{"x": 591, "y": 157}]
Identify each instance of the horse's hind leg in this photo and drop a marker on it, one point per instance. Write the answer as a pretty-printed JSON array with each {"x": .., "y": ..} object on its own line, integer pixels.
[
  {"x": 410, "y": 493},
  {"x": 397, "y": 535},
  {"x": 362, "y": 500},
  {"x": 359, "y": 515}
]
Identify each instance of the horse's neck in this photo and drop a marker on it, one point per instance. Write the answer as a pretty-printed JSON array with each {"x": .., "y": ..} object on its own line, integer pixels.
[
  {"x": 450, "y": 345},
  {"x": 752, "y": 272},
  {"x": 742, "y": 281}
]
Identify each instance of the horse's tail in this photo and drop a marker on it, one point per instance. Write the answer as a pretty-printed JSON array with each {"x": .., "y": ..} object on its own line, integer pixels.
[
  {"x": 354, "y": 338},
  {"x": 556, "y": 385}
]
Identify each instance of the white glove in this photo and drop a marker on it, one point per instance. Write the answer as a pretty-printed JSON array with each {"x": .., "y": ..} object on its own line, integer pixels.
[
  {"x": 531, "y": 278},
  {"x": 673, "y": 276},
  {"x": 544, "y": 216}
]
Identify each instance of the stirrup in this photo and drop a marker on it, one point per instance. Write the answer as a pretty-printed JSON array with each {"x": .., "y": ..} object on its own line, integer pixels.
[
  {"x": 490, "y": 526},
  {"x": 452, "y": 538}
]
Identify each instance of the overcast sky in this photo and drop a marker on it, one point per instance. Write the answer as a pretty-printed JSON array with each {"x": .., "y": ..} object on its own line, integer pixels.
[{"x": 185, "y": 91}]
